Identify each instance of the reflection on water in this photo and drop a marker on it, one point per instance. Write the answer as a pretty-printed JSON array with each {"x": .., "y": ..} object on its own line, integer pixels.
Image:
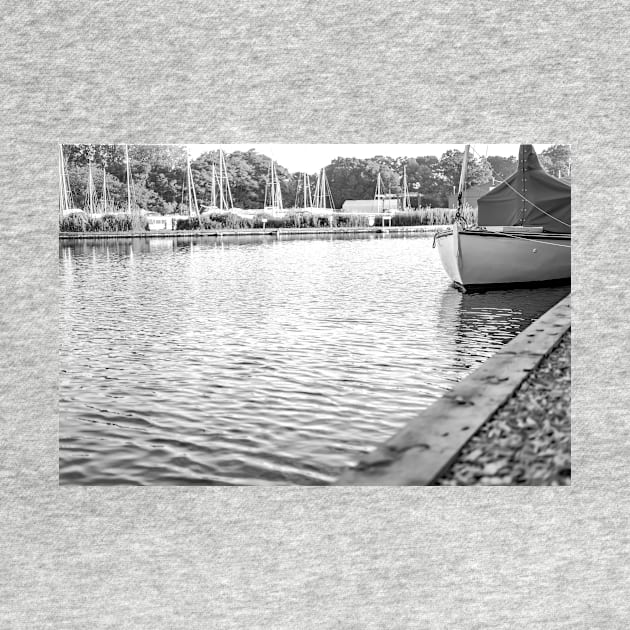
[{"x": 257, "y": 360}]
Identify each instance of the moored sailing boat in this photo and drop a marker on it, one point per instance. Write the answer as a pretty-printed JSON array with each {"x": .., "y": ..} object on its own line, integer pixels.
[
  {"x": 323, "y": 200},
  {"x": 304, "y": 187},
  {"x": 273, "y": 193},
  {"x": 189, "y": 186},
  {"x": 66, "y": 205},
  {"x": 523, "y": 231},
  {"x": 221, "y": 200}
]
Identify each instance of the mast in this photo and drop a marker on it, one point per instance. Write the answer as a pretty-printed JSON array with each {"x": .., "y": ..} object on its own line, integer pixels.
[
  {"x": 222, "y": 200},
  {"x": 306, "y": 183},
  {"x": 324, "y": 187},
  {"x": 378, "y": 195},
  {"x": 406, "y": 199},
  {"x": 275, "y": 192},
  {"x": 91, "y": 191},
  {"x": 278, "y": 190},
  {"x": 63, "y": 190},
  {"x": 214, "y": 186},
  {"x": 322, "y": 191},
  {"x": 317, "y": 185},
  {"x": 104, "y": 196},
  {"x": 462, "y": 184},
  {"x": 188, "y": 182},
  {"x": 226, "y": 196},
  {"x": 128, "y": 179},
  {"x": 192, "y": 194}
]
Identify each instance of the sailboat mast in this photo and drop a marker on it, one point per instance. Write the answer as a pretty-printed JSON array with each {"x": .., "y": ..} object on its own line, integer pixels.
[
  {"x": 273, "y": 186},
  {"x": 221, "y": 198},
  {"x": 193, "y": 192},
  {"x": 104, "y": 197},
  {"x": 128, "y": 179},
  {"x": 462, "y": 184},
  {"x": 379, "y": 192},
  {"x": 91, "y": 191},
  {"x": 63, "y": 199},
  {"x": 214, "y": 186},
  {"x": 304, "y": 183},
  {"x": 279, "y": 193},
  {"x": 188, "y": 178},
  {"x": 227, "y": 186},
  {"x": 66, "y": 196},
  {"x": 323, "y": 190},
  {"x": 406, "y": 199},
  {"x": 462, "y": 178}
]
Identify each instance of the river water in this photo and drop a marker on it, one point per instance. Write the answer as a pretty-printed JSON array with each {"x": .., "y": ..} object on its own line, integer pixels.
[{"x": 257, "y": 360}]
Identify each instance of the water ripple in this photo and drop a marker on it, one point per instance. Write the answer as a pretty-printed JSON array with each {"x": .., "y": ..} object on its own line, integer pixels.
[{"x": 259, "y": 361}]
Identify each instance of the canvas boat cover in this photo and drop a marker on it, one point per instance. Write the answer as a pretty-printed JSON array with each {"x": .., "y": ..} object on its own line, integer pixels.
[{"x": 522, "y": 197}]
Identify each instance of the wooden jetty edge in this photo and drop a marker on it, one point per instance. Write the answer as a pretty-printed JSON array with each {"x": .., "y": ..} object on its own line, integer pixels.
[
  {"x": 427, "y": 446},
  {"x": 220, "y": 232}
]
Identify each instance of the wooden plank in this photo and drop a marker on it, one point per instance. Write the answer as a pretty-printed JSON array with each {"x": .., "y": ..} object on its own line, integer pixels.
[
  {"x": 425, "y": 447},
  {"x": 422, "y": 229}
]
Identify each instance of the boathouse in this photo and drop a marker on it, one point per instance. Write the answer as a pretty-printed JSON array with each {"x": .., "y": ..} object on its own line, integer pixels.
[
  {"x": 365, "y": 206},
  {"x": 472, "y": 194}
]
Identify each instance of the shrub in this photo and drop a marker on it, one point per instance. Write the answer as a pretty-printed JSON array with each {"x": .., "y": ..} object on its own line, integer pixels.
[
  {"x": 430, "y": 216},
  {"x": 353, "y": 221},
  {"x": 214, "y": 221},
  {"x": 75, "y": 222}
]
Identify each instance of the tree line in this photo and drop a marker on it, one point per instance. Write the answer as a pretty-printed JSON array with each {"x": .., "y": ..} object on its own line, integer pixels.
[{"x": 158, "y": 175}]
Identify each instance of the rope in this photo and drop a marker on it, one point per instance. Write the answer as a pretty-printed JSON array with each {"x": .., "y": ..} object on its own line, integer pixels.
[
  {"x": 524, "y": 198},
  {"x": 518, "y": 238},
  {"x": 529, "y": 240}
]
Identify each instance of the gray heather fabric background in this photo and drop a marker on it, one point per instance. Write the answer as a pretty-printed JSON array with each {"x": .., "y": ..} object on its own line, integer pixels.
[{"x": 482, "y": 72}]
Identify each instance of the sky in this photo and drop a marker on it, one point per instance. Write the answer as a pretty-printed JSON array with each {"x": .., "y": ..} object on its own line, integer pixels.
[{"x": 309, "y": 158}]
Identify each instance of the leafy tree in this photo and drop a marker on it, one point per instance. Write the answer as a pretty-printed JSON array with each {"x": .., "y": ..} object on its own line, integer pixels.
[
  {"x": 557, "y": 160},
  {"x": 159, "y": 173},
  {"x": 502, "y": 167},
  {"x": 247, "y": 173},
  {"x": 423, "y": 178},
  {"x": 449, "y": 169}
]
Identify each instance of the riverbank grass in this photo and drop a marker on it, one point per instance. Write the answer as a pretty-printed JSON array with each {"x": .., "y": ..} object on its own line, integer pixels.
[{"x": 123, "y": 222}]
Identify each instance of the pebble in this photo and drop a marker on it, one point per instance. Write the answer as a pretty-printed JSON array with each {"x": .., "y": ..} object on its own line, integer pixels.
[{"x": 528, "y": 440}]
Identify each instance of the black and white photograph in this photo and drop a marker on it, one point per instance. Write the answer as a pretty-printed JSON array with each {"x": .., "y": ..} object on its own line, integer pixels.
[{"x": 315, "y": 314}]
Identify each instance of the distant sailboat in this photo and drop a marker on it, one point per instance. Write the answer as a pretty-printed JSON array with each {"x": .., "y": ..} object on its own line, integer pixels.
[
  {"x": 221, "y": 200},
  {"x": 273, "y": 193},
  {"x": 189, "y": 186},
  {"x": 306, "y": 203},
  {"x": 66, "y": 205},
  {"x": 323, "y": 200}
]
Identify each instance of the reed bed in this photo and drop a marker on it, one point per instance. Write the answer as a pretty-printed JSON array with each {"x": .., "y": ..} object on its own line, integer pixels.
[
  {"x": 119, "y": 222},
  {"x": 232, "y": 221},
  {"x": 429, "y": 216},
  {"x": 123, "y": 222}
]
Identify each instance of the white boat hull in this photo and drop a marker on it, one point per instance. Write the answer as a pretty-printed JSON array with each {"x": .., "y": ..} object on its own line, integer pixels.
[{"x": 477, "y": 258}]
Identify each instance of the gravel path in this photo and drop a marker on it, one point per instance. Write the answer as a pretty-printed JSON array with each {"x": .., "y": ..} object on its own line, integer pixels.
[{"x": 528, "y": 440}]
